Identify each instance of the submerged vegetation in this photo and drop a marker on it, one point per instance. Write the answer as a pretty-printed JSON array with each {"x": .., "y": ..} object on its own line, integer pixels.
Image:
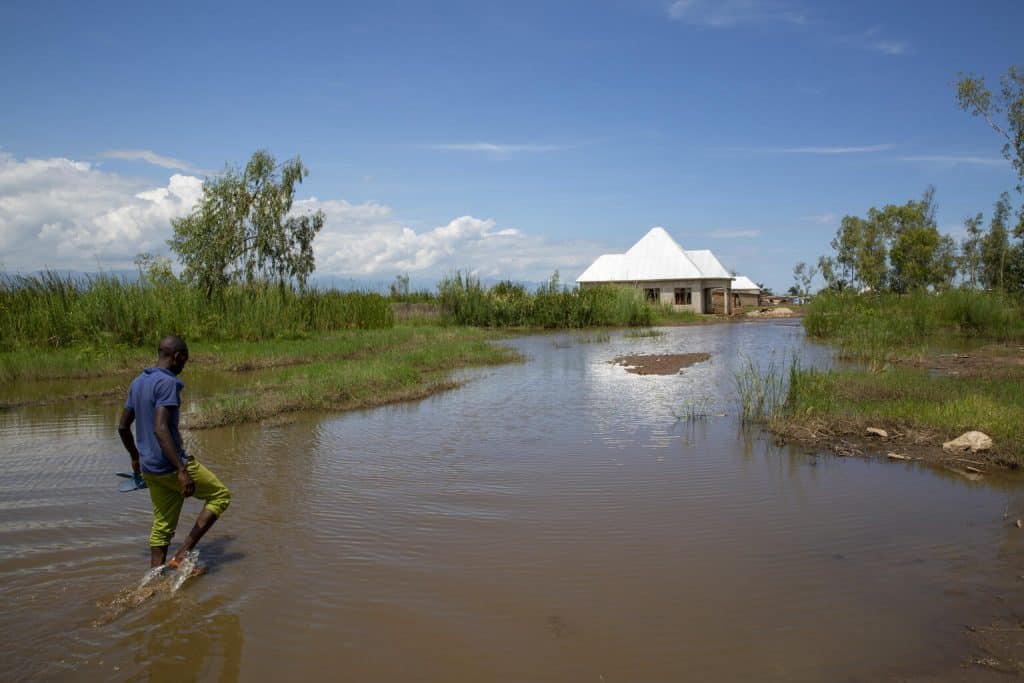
[{"x": 762, "y": 390}]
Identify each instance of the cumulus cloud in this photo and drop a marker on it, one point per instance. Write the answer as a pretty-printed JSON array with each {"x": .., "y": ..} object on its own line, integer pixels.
[
  {"x": 366, "y": 240},
  {"x": 62, "y": 213},
  {"x": 65, "y": 214}
]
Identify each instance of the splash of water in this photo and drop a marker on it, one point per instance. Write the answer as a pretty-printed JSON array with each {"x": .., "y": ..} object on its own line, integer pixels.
[
  {"x": 157, "y": 580},
  {"x": 188, "y": 568}
]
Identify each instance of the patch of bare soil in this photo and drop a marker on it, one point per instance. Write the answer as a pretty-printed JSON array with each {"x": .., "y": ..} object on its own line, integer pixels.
[
  {"x": 987, "y": 361},
  {"x": 848, "y": 437},
  {"x": 667, "y": 364},
  {"x": 777, "y": 312}
]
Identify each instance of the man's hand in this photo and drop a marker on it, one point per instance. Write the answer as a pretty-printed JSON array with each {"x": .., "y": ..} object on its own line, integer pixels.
[{"x": 188, "y": 487}]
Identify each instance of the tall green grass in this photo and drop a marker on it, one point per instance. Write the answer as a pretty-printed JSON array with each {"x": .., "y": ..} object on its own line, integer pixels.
[
  {"x": 874, "y": 326},
  {"x": 97, "y": 311},
  {"x": 506, "y": 304}
]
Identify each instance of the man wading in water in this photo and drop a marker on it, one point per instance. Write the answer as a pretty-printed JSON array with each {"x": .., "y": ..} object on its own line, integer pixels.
[{"x": 172, "y": 476}]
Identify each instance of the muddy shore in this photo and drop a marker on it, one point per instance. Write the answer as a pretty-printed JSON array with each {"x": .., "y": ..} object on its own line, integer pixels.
[{"x": 847, "y": 435}]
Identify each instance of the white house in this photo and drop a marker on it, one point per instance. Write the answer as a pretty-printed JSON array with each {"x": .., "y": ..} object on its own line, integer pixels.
[{"x": 668, "y": 273}]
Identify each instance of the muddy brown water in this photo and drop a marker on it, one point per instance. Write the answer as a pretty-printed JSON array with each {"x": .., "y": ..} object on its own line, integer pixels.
[{"x": 550, "y": 521}]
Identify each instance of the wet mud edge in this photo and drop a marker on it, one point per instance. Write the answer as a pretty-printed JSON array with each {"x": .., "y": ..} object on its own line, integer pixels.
[{"x": 659, "y": 364}]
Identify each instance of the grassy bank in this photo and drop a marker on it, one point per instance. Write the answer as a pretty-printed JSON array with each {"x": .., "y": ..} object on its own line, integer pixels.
[
  {"x": 932, "y": 367},
  {"x": 360, "y": 370},
  {"x": 332, "y": 371},
  {"x": 920, "y": 411}
]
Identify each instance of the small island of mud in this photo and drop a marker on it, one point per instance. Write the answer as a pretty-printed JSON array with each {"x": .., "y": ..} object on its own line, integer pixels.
[{"x": 666, "y": 364}]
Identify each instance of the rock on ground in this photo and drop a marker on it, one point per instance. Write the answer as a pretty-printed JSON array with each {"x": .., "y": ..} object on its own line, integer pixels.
[{"x": 968, "y": 441}]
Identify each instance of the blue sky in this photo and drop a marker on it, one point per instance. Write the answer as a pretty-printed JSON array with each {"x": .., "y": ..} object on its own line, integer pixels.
[{"x": 509, "y": 137}]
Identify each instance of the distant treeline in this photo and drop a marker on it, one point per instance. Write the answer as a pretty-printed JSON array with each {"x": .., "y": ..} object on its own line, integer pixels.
[{"x": 59, "y": 311}]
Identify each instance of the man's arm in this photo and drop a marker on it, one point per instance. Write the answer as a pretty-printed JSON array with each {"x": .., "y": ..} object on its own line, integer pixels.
[
  {"x": 124, "y": 430},
  {"x": 162, "y": 429}
]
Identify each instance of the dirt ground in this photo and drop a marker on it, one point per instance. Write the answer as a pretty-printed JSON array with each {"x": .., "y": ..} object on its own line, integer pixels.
[
  {"x": 667, "y": 364},
  {"x": 850, "y": 438},
  {"x": 986, "y": 361}
]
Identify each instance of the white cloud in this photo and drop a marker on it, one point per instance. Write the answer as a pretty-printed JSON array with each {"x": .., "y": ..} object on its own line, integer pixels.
[
  {"x": 835, "y": 149},
  {"x": 62, "y": 213},
  {"x": 151, "y": 157},
  {"x": 955, "y": 160},
  {"x": 872, "y": 41},
  {"x": 734, "y": 234},
  {"x": 365, "y": 240},
  {"x": 726, "y": 14},
  {"x": 822, "y": 218},
  {"x": 65, "y": 214},
  {"x": 496, "y": 148},
  {"x": 729, "y": 13}
]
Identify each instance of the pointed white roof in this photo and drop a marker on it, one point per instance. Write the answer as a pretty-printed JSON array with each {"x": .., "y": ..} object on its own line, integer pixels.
[
  {"x": 709, "y": 265},
  {"x": 655, "y": 257},
  {"x": 742, "y": 282}
]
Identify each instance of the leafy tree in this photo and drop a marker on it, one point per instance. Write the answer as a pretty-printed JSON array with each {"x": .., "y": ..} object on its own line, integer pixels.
[
  {"x": 828, "y": 268},
  {"x": 399, "y": 289},
  {"x": 897, "y": 247},
  {"x": 155, "y": 270},
  {"x": 1002, "y": 263},
  {"x": 970, "y": 250},
  {"x": 920, "y": 257},
  {"x": 802, "y": 276},
  {"x": 242, "y": 229},
  {"x": 974, "y": 96},
  {"x": 995, "y": 246}
]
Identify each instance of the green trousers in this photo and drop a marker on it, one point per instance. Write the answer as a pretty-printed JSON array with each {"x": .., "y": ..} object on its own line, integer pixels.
[{"x": 165, "y": 492}]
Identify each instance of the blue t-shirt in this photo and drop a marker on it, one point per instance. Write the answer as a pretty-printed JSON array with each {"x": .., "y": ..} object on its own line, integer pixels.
[{"x": 155, "y": 387}]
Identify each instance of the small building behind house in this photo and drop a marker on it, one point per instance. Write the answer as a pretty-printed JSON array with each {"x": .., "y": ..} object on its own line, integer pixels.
[
  {"x": 746, "y": 295},
  {"x": 667, "y": 273}
]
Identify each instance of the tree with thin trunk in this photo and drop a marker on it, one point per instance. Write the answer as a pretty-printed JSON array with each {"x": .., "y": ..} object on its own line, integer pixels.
[{"x": 244, "y": 230}]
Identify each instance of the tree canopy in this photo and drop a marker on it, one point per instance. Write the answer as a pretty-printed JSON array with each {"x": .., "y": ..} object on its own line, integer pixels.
[
  {"x": 974, "y": 96},
  {"x": 897, "y": 248},
  {"x": 243, "y": 228}
]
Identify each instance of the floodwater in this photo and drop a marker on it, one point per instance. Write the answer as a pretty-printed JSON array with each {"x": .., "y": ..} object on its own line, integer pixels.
[{"x": 550, "y": 521}]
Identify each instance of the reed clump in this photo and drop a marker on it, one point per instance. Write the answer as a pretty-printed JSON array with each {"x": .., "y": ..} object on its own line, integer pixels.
[
  {"x": 54, "y": 311},
  {"x": 468, "y": 302},
  {"x": 763, "y": 391},
  {"x": 875, "y": 326}
]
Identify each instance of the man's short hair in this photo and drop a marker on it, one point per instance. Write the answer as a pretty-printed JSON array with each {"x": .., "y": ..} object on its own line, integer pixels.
[{"x": 170, "y": 345}]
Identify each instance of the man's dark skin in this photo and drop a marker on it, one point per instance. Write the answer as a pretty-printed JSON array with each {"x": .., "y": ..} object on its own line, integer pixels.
[{"x": 172, "y": 356}]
